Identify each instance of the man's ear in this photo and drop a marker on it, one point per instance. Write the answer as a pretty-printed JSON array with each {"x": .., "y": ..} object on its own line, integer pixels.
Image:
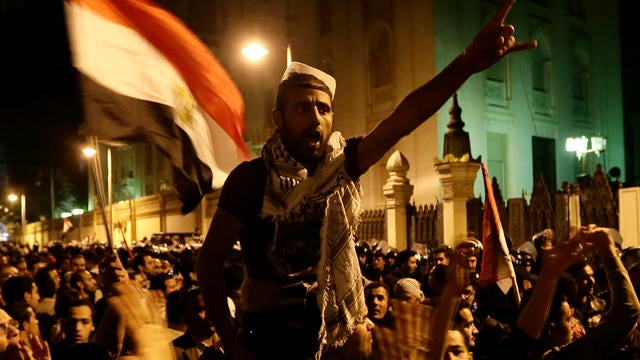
[{"x": 277, "y": 118}]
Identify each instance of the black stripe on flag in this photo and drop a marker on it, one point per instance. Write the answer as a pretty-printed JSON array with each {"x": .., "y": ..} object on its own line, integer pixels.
[{"x": 116, "y": 117}]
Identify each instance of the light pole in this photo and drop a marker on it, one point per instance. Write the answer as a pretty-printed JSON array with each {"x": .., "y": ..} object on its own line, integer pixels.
[{"x": 91, "y": 152}]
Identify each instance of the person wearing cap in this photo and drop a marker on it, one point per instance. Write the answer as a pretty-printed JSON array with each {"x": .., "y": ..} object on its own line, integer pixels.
[
  {"x": 296, "y": 209},
  {"x": 408, "y": 289}
]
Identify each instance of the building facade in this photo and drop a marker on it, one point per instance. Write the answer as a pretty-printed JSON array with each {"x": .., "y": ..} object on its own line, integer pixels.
[{"x": 518, "y": 113}]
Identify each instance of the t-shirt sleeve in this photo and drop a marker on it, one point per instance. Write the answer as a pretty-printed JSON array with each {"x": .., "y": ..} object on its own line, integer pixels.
[
  {"x": 243, "y": 190},
  {"x": 351, "y": 158}
]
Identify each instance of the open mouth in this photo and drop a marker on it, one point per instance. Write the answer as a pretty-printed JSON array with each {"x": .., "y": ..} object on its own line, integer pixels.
[{"x": 314, "y": 137}]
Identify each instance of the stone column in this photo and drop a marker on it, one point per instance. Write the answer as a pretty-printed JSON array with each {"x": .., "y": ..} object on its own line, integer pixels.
[
  {"x": 457, "y": 179},
  {"x": 397, "y": 192},
  {"x": 457, "y": 171}
]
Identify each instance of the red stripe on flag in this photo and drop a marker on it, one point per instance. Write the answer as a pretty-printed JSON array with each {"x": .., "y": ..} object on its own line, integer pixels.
[
  {"x": 209, "y": 83},
  {"x": 496, "y": 262},
  {"x": 105, "y": 9}
]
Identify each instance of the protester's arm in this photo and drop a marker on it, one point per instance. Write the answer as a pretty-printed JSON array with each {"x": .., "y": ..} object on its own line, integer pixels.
[
  {"x": 222, "y": 236},
  {"x": 493, "y": 42},
  {"x": 621, "y": 317},
  {"x": 533, "y": 317},
  {"x": 457, "y": 279}
]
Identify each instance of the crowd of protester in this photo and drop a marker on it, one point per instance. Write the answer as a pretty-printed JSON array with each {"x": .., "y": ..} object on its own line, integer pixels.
[
  {"x": 578, "y": 300},
  {"x": 89, "y": 302},
  {"x": 578, "y": 297}
]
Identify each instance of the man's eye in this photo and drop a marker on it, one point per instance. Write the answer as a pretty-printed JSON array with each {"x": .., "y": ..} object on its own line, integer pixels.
[
  {"x": 304, "y": 108},
  {"x": 323, "y": 109}
]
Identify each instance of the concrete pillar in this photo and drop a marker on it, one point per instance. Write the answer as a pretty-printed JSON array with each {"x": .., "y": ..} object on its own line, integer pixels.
[
  {"x": 457, "y": 179},
  {"x": 397, "y": 192}
]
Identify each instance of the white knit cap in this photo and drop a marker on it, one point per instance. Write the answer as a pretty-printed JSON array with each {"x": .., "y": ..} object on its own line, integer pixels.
[
  {"x": 409, "y": 286},
  {"x": 300, "y": 68}
]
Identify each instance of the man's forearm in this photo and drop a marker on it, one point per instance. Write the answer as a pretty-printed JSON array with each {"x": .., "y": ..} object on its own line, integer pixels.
[
  {"x": 423, "y": 102},
  {"x": 214, "y": 292},
  {"x": 533, "y": 317}
]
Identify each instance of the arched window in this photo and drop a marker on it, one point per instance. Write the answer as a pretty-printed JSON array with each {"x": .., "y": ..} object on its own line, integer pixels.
[
  {"x": 379, "y": 51},
  {"x": 541, "y": 74},
  {"x": 580, "y": 81}
]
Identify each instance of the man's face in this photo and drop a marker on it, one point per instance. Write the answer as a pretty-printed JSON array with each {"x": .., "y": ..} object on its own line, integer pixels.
[
  {"x": 469, "y": 327},
  {"x": 472, "y": 262},
  {"x": 586, "y": 281},
  {"x": 455, "y": 347},
  {"x": 55, "y": 277},
  {"x": 78, "y": 264},
  {"x": 560, "y": 333},
  {"x": 412, "y": 265},
  {"x": 377, "y": 302},
  {"x": 362, "y": 259},
  {"x": 305, "y": 124},
  {"x": 441, "y": 258},
  {"x": 378, "y": 262},
  {"x": 8, "y": 331},
  {"x": 171, "y": 285},
  {"x": 468, "y": 294},
  {"x": 78, "y": 325},
  {"x": 34, "y": 297},
  {"x": 90, "y": 284},
  {"x": 147, "y": 268},
  {"x": 7, "y": 272}
]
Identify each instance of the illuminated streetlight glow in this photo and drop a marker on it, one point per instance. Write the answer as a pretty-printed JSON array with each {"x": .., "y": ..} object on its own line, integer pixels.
[
  {"x": 13, "y": 197},
  {"x": 254, "y": 52},
  {"x": 89, "y": 152}
]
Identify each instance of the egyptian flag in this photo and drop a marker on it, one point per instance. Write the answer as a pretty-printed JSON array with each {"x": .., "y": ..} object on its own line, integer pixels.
[
  {"x": 146, "y": 77},
  {"x": 496, "y": 261}
]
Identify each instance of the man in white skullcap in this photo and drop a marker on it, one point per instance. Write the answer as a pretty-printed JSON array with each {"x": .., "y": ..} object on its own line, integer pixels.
[{"x": 296, "y": 211}]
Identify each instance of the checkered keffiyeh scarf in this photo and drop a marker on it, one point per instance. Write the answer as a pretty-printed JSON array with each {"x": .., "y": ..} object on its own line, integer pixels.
[{"x": 288, "y": 192}]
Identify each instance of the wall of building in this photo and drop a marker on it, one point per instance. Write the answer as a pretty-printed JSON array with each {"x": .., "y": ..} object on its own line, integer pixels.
[{"x": 502, "y": 110}]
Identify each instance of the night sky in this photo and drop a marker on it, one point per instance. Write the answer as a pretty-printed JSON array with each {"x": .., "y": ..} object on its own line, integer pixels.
[
  {"x": 39, "y": 99},
  {"x": 39, "y": 102}
]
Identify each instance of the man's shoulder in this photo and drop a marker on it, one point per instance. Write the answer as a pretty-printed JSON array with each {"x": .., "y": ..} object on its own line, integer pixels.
[
  {"x": 247, "y": 173},
  {"x": 243, "y": 190},
  {"x": 252, "y": 168},
  {"x": 184, "y": 341}
]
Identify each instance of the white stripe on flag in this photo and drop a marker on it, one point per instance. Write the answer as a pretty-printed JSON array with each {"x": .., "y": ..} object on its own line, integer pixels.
[{"x": 120, "y": 59}]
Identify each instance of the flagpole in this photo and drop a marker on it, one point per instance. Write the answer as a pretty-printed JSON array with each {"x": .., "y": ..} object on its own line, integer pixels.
[
  {"x": 515, "y": 286},
  {"x": 97, "y": 178}
]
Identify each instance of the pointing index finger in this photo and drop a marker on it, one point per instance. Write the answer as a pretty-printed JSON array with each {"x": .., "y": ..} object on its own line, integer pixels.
[{"x": 503, "y": 11}]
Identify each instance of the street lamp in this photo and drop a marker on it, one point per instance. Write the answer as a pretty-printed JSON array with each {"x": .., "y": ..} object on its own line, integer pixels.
[
  {"x": 23, "y": 209},
  {"x": 254, "y": 52}
]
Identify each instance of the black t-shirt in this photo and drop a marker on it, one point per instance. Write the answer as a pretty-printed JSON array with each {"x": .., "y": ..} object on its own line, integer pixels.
[{"x": 294, "y": 254}]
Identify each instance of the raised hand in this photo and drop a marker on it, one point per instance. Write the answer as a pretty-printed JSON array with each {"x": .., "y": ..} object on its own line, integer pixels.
[
  {"x": 39, "y": 348},
  {"x": 599, "y": 239},
  {"x": 495, "y": 40},
  {"x": 565, "y": 253}
]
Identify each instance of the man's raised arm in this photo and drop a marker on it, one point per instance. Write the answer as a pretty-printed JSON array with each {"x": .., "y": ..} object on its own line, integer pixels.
[{"x": 493, "y": 42}]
